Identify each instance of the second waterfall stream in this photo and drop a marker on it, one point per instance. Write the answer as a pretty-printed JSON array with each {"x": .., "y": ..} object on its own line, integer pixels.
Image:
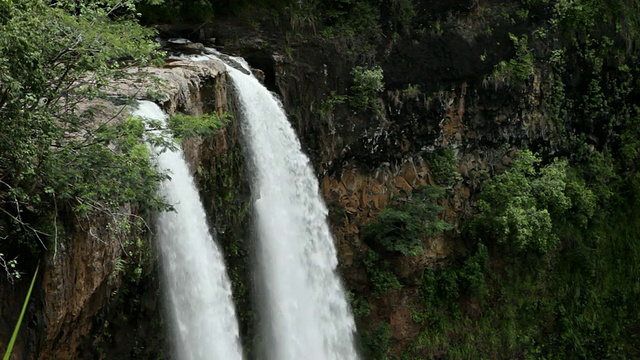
[{"x": 305, "y": 311}]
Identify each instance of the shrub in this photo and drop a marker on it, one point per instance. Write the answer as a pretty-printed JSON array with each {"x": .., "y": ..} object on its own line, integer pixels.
[
  {"x": 518, "y": 69},
  {"x": 188, "y": 126},
  {"x": 382, "y": 279},
  {"x": 404, "y": 227},
  {"x": 367, "y": 83},
  {"x": 518, "y": 206},
  {"x": 444, "y": 167},
  {"x": 473, "y": 270},
  {"x": 378, "y": 342}
]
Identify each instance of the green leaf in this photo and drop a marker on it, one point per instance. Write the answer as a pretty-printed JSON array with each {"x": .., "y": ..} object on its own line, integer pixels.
[{"x": 16, "y": 330}]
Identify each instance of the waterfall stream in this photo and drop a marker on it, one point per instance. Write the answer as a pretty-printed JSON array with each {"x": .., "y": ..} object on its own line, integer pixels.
[
  {"x": 197, "y": 288},
  {"x": 306, "y": 314}
]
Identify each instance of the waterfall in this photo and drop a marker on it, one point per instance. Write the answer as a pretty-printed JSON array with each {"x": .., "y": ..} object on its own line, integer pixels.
[
  {"x": 198, "y": 290},
  {"x": 306, "y": 313}
]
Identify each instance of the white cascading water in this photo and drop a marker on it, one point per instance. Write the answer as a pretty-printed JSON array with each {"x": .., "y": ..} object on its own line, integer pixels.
[
  {"x": 198, "y": 291},
  {"x": 307, "y": 314}
]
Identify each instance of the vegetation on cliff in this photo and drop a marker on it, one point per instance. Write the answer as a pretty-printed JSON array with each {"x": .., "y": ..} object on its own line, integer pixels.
[
  {"x": 76, "y": 178},
  {"x": 65, "y": 154},
  {"x": 547, "y": 263},
  {"x": 59, "y": 154},
  {"x": 550, "y": 269},
  {"x": 403, "y": 227},
  {"x": 544, "y": 263}
]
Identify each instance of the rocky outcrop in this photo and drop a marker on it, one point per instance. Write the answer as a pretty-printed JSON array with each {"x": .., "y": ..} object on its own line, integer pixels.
[
  {"x": 220, "y": 168},
  {"x": 82, "y": 275},
  {"x": 356, "y": 197}
]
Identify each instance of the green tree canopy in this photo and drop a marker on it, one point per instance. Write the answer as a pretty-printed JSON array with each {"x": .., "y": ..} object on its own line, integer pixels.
[
  {"x": 521, "y": 206},
  {"x": 55, "y": 57}
]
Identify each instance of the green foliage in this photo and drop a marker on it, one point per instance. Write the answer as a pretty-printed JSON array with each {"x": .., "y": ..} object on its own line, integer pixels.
[
  {"x": 353, "y": 26},
  {"x": 577, "y": 303},
  {"x": 597, "y": 280},
  {"x": 303, "y": 14},
  {"x": 194, "y": 11},
  {"x": 189, "y": 125},
  {"x": 411, "y": 92},
  {"x": 444, "y": 320},
  {"x": 57, "y": 151},
  {"x": 9, "y": 266},
  {"x": 448, "y": 284},
  {"x": 176, "y": 11},
  {"x": 428, "y": 287},
  {"x": 580, "y": 308},
  {"x": 404, "y": 227},
  {"x": 443, "y": 165},
  {"x": 378, "y": 342},
  {"x": 359, "y": 305},
  {"x": 518, "y": 205},
  {"x": 472, "y": 274},
  {"x": 584, "y": 15},
  {"x": 16, "y": 330},
  {"x": 630, "y": 140},
  {"x": 558, "y": 277},
  {"x": 403, "y": 11},
  {"x": 518, "y": 69},
  {"x": 451, "y": 282},
  {"x": 328, "y": 105},
  {"x": 397, "y": 231},
  {"x": 367, "y": 84},
  {"x": 381, "y": 277}
]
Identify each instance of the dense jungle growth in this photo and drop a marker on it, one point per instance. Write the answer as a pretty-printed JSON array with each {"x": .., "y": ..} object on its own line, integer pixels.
[{"x": 524, "y": 114}]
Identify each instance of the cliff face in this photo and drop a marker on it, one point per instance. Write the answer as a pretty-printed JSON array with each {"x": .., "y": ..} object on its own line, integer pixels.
[
  {"x": 436, "y": 97},
  {"x": 458, "y": 81}
]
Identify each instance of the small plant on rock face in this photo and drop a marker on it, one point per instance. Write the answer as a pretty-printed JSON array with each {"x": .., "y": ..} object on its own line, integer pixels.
[
  {"x": 359, "y": 305},
  {"x": 517, "y": 70},
  {"x": 444, "y": 167},
  {"x": 9, "y": 267},
  {"x": 403, "y": 227},
  {"x": 328, "y": 105},
  {"x": 367, "y": 84},
  {"x": 381, "y": 277},
  {"x": 378, "y": 341},
  {"x": 205, "y": 125}
]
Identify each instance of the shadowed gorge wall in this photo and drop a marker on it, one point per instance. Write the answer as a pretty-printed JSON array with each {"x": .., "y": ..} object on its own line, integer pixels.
[{"x": 467, "y": 86}]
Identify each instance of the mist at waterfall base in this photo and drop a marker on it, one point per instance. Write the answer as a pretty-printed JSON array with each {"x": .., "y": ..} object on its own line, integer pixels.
[
  {"x": 198, "y": 291},
  {"x": 304, "y": 308}
]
